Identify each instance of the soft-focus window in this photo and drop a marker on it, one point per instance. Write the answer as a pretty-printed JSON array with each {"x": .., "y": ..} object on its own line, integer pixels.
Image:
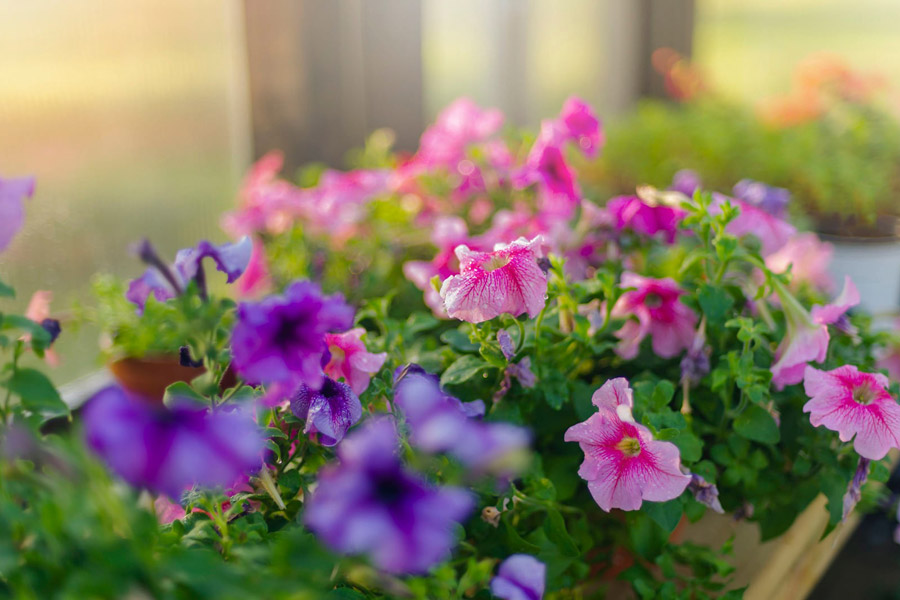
[
  {"x": 132, "y": 116},
  {"x": 749, "y": 49},
  {"x": 523, "y": 57}
]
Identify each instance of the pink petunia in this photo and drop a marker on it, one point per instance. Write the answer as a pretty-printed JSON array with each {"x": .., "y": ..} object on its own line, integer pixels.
[
  {"x": 447, "y": 233},
  {"x": 657, "y": 306},
  {"x": 806, "y": 339},
  {"x": 808, "y": 258},
  {"x": 773, "y": 233},
  {"x": 623, "y": 464},
  {"x": 256, "y": 279},
  {"x": 630, "y": 212},
  {"x": 266, "y": 203},
  {"x": 351, "y": 360},
  {"x": 507, "y": 280},
  {"x": 582, "y": 125},
  {"x": 854, "y": 403},
  {"x": 12, "y": 213}
]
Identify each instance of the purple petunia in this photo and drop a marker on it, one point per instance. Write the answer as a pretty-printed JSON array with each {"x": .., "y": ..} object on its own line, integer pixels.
[
  {"x": 12, "y": 213},
  {"x": 439, "y": 422},
  {"x": 169, "y": 450},
  {"x": 520, "y": 577},
  {"x": 164, "y": 281},
  {"x": 370, "y": 504},
  {"x": 281, "y": 339},
  {"x": 330, "y": 411}
]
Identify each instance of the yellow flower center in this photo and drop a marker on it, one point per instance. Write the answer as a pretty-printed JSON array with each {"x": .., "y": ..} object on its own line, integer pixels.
[
  {"x": 629, "y": 446},
  {"x": 495, "y": 262},
  {"x": 863, "y": 394}
]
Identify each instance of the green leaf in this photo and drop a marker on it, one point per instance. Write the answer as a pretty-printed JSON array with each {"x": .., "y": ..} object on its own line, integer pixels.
[
  {"x": 459, "y": 341},
  {"x": 555, "y": 388},
  {"x": 344, "y": 594},
  {"x": 463, "y": 369},
  {"x": 555, "y": 528},
  {"x": 715, "y": 302},
  {"x": 689, "y": 445},
  {"x": 756, "y": 424},
  {"x": 182, "y": 390},
  {"x": 665, "y": 514},
  {"x": 37, "y": 393},
  {"x": 6, "y": 291}
]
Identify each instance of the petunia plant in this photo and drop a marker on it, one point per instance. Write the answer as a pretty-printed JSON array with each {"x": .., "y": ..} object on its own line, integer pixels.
[{"x": 459, "y": 373}]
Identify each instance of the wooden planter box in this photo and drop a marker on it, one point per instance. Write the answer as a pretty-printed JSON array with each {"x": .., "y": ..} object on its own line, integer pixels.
[{"x": 786, "y": 568}]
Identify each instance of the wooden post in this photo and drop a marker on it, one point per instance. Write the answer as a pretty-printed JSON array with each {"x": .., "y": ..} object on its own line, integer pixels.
[
  {"x": 324, "y": 73},
  {"x": 664, "y": 24}
]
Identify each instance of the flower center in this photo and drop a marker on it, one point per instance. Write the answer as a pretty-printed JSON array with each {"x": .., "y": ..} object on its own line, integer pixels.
[
  {"x": 495, "y": 262},
  {"x": 629, "y": 446},
  {"x": 863, "y": 394},
  {"x": 653, "y": 300}
]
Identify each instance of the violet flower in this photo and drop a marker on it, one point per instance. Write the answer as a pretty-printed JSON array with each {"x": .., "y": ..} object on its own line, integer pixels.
[
  {"x": 807, "y": 335},
  {"x": 330, "y": 411},
  {"x": 281, "y": 339},
  {"x": 370, "y": 504},
  {"x": 521, "y": 370},
  {"x": 164, "y": 281},
  {"x": 854, "y": 489},
  {"x": 12, "y": 212},
  {"x": 695, "y": 363},
  {"x": 623, "y": 464},
  {"x": 656, "y": 305},
  {"x": 439, "y": 422},
  {"x": 773, "y": 200},
  {"x": 704, "y": 492},
  {"x": 169, "y": 450},
  {"x": 520, "y": 577},
  {"x": 507, "y": 280},
  {"x": 857, "y": 405},
  {"x": 685, "y": 182}
]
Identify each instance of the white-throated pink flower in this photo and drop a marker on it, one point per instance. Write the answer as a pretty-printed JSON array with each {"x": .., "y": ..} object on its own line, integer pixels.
[
  {"x": 507, "y": 280},
  {"x": 806, "y": 339},
  {"x": 623, "y": 464},
  {"x": 656, "y": 305},
  {"x": 856, "y": 405}
]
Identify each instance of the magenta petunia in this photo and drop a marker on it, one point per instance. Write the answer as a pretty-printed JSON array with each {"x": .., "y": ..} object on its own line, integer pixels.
[
  {"x": 855, "y": 404},
  {"x": 623, "y": 464},
  {"x": 12, "y": 213},
  {"x": 630, "y": 212},
  {"x": 507, "y": 280},
  {"x": 546, "y": 166},
  {"x": 656, "y": 305},
  {"x": 351, "y": 360},
  {"x": 806, "y": 339},
  {"x": 582, "y": 125}
]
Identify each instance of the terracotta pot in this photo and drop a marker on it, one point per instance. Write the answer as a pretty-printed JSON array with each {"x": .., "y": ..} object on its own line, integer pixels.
[{"x": 149, "y": 377}]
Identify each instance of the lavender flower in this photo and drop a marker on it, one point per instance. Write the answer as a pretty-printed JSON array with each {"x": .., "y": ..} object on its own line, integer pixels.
[
  {"x": 439, "y": 422},
  {"x": 281, "y": 339},
  {"x": 164, "y": 281},
  {"x": 695, "y": 363},
  {"x": 773, "y": 200},
  {"x": 854, "y": 490},
  {"x": 12, "y": 213},
  {"x": 521, "y": 370},
  {"x": 685, "y": 181},
  {"x": 704, "y": 492},
  {"x": 520, "y": 577},
  {"x": 369, "y": 504},
  {"x": 171, "y": 450},
  {"x": 330, "y": 411}
]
